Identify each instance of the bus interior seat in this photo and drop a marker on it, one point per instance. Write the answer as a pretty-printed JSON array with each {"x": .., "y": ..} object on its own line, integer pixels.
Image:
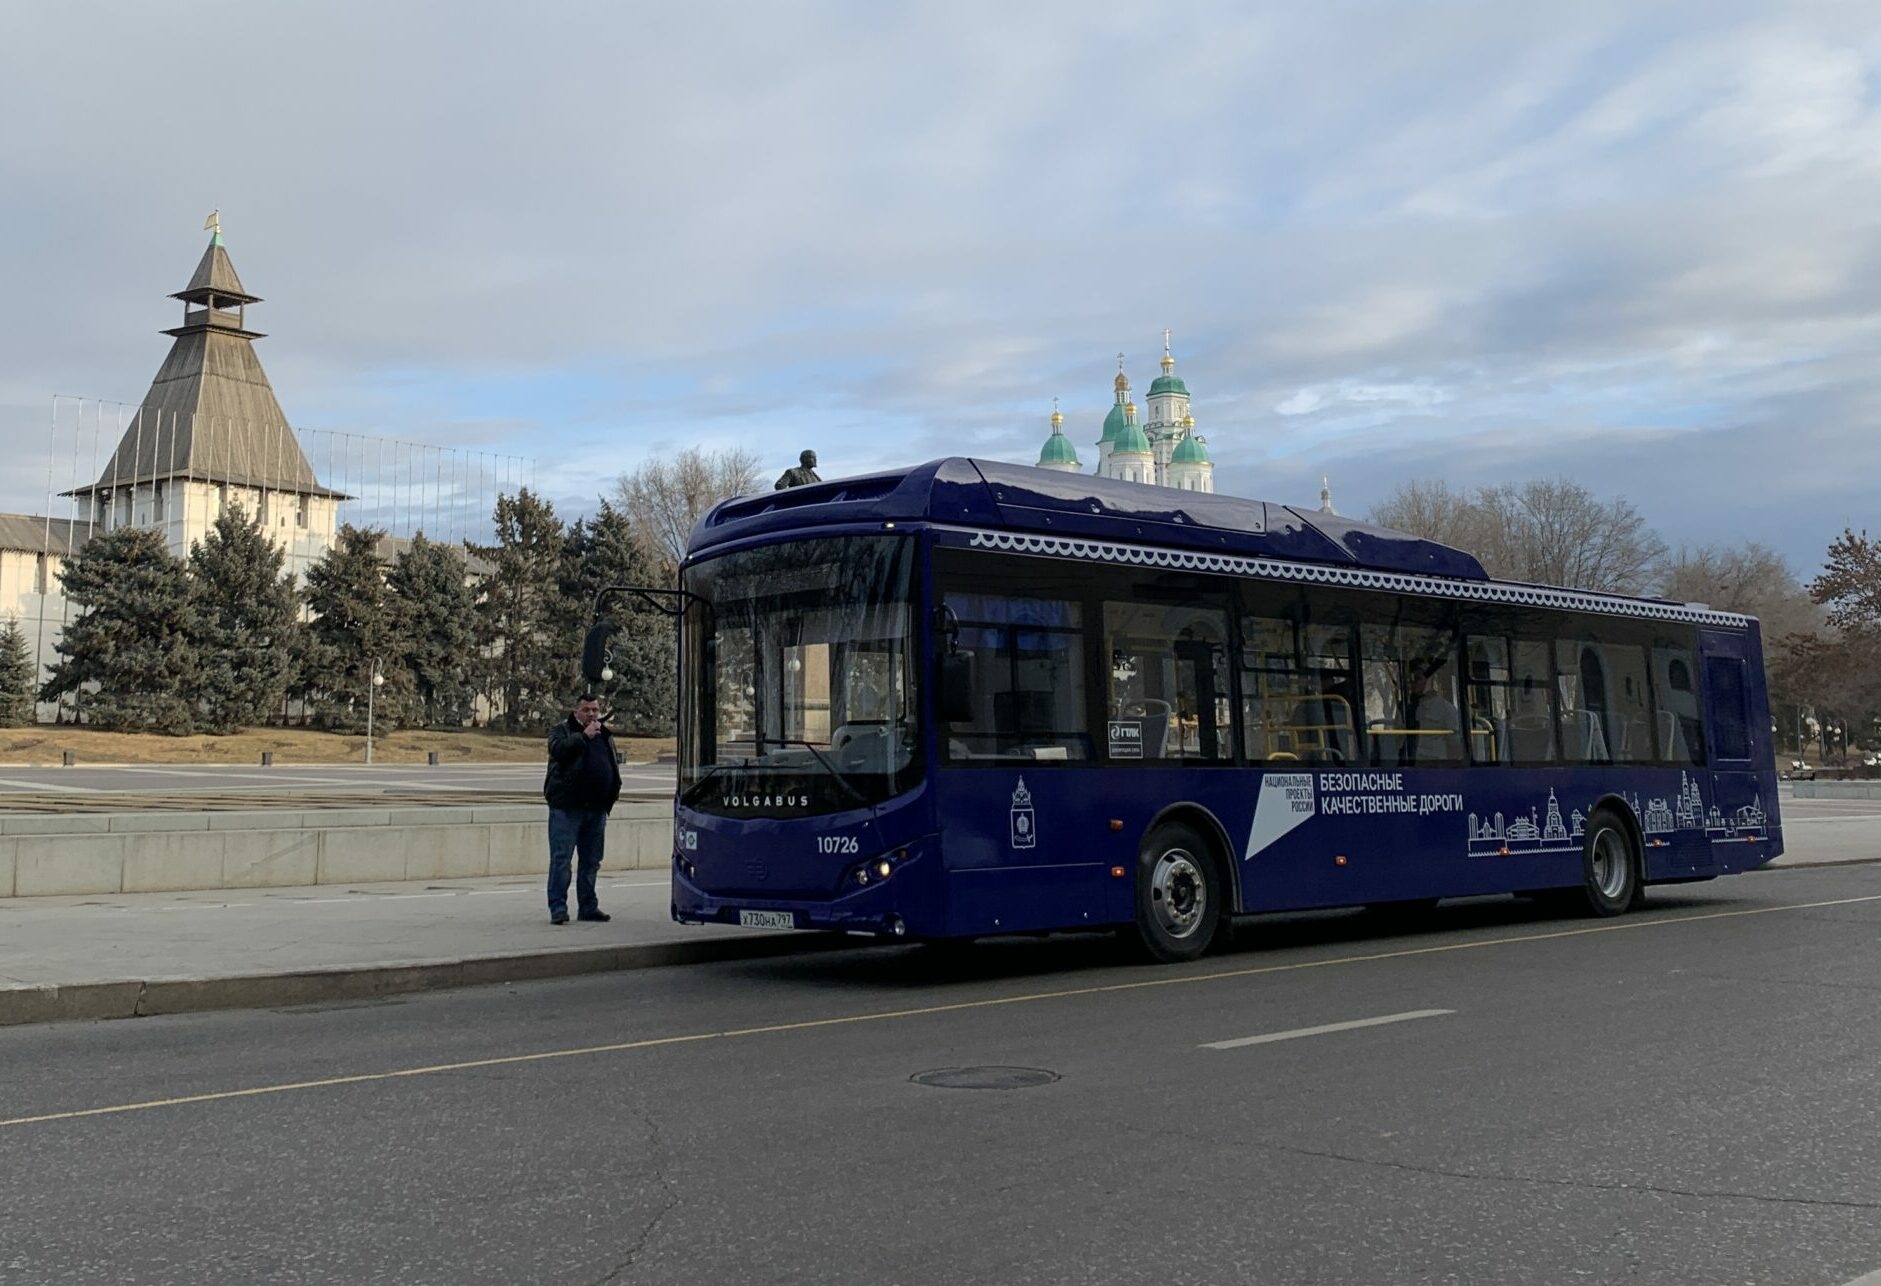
[
  {"x": 1489, "y": 740},
  {"x": 1529, "y": 739},
  {"x": 1673, "y": 733},
  {"x": 1590, "y": 738}
]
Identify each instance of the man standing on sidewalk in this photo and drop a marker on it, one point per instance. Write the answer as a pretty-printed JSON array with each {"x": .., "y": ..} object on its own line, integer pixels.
[{"x": 581, "y": 786}]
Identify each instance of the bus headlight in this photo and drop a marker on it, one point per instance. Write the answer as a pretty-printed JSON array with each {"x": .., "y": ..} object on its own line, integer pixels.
[{"x": 876, "y": 869}]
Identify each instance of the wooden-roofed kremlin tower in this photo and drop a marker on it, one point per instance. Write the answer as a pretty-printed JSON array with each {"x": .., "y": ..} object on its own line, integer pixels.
[{"x": 210, "y": 434}]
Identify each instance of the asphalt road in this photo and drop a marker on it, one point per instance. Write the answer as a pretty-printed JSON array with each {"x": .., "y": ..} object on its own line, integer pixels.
[{"x": 1686, "y": 1095}]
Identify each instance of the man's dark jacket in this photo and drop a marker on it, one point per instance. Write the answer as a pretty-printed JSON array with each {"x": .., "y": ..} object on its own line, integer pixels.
[{"x": 582, "y": 769}]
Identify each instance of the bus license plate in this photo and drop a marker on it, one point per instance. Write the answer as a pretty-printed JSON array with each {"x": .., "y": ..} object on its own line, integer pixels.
[{"x": 767, "y": 919}]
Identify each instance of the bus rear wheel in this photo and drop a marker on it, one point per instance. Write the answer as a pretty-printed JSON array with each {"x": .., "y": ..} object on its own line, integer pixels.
[
  {"x": 1610, "y": 880},
  {"x": 1180, "y": 894}
]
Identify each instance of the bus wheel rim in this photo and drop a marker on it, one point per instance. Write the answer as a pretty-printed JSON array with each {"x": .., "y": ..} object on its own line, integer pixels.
[
  {"x": 1179, "y": 893},
  {"x": 1609, "y": 864}
]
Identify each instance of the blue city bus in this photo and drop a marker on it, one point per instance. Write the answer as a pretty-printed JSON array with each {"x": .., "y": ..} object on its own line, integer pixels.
[{"x": 971, "y": 699}]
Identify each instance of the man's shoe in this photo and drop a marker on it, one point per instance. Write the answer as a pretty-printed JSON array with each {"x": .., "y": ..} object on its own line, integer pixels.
[
  {"x": 596, "y": 915},
  {"x": 560, "y": 917}
]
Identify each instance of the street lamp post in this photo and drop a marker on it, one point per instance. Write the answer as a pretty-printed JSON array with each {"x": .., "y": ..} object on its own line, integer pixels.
[{"x": 378, "y": 681}]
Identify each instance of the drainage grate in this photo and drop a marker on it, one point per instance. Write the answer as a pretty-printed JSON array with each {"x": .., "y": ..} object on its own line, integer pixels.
[{"x": 985, "y": 1078}]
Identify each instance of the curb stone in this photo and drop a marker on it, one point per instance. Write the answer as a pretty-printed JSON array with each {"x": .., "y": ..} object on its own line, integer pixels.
[{"x": 139, "y": 998}]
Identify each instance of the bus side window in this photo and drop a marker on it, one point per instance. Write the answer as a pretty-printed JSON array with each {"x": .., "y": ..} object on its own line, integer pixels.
[
  {"x": 1411, "y": 715},
  {"x": 1511, "y": 716},
  {"x": 1531, "y": 710},
  {"x": 1676, "y": 711},
  {"x": 1169, "y": 692},
  {"x": 1027, "y": 693},
  {"x": 1487, "y": 660},
  {"x": 1027, "y": 679},
  {"x": 1297, "y": 693},
  {"x": 1583, "y": 705},
  {"x": 1629, "y": 727}
]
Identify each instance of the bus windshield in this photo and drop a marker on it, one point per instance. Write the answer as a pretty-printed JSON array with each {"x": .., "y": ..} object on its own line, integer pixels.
[{"x": 799, "y": 678}]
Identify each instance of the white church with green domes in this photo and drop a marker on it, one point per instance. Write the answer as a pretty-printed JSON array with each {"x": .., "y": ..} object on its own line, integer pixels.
[{"x": 1164, "y": 452}]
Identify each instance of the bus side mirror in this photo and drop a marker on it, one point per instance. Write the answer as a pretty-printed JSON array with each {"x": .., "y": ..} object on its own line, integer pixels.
[
  {"x": 956, "y": 687},
  {"x": 594, "y": 655}
]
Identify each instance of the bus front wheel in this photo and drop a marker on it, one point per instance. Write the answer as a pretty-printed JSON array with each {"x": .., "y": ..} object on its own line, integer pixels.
[
  {"x": 1610, "y": 881},
  {"x": 1180, "y": 893}
]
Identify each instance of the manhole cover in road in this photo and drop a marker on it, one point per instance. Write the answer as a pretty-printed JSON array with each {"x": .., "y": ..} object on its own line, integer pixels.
[{"x": 985, "y": 1078}]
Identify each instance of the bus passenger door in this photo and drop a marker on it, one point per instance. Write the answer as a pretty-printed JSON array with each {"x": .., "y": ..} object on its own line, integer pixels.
[{"x": 1736, "y": 812}]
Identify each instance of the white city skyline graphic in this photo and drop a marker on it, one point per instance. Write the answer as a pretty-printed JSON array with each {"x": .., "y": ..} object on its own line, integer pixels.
[
  {"x": 1497, "y": 836},
  {"x": 1543, "y": 830}
]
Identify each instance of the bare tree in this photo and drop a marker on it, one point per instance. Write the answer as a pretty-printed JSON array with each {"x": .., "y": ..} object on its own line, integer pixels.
[
  {"x": 1554, "y": 532},
  {"x": 1749, "y": 578},
  {"x": 664, "y": 498},
  {"x": 1560, "y": 534},
  {"x": 1432, "y": 509}
]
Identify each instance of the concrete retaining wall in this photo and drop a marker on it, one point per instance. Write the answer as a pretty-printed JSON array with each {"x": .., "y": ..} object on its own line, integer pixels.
[
  {"x": 1838, "y": 789},
  {"x": 169, "y": 852}
]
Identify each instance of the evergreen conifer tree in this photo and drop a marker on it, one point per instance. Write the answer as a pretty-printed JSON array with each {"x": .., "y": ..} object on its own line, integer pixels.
[
  {"x": 606, "y": 550},
  {"x": 357, "y": 622},
  {"x": 133, "y": 636},
  {"x": 439, "y": 613},
  {"x": 16, "y": 676},
  {"x": 522, "y": 617},
  {"x": 303, "y": 670},
  {"x": 246, "y": 610}
]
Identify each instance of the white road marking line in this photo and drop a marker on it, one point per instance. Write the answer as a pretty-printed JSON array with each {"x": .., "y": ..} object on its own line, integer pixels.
[
  {"x": 48, "y": 785},
  {"x": 1820, "y": 821},
  {"x": 1322, "y": 1030},
  {"x": 1868, "y": 1279}
]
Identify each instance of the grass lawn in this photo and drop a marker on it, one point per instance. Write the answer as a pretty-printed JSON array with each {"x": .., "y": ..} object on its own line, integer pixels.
[{"x": 45, "y": 744}]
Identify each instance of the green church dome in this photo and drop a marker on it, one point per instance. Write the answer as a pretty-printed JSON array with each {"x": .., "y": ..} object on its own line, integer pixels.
[
  {"x": 1113, "y": 423},
  {"x": 1168, "y": 384},
  {"x": 1130, "y": 440},
  {"x": 1058, "y": 450},
  {"x": 1191, "y": 450}
]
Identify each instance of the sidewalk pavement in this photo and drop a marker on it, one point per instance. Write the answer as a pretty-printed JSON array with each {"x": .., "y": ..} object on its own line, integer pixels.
[{"x": 131, "y": 955}]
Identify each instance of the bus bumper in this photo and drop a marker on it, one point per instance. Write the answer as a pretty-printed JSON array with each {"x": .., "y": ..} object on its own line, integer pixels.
[{"x": 900, "y": 906}]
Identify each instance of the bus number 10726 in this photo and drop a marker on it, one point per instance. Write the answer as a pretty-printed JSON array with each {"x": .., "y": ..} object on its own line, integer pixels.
[{"x": 837, "y": 844}]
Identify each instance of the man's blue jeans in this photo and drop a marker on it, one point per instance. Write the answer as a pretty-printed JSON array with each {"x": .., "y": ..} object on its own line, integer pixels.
[{"x": 572, "y": 831}]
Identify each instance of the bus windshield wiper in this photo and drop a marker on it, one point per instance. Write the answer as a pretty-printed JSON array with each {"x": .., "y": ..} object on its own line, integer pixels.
[
  {"x": 821, "y": 758},
  {"x": 692, "y": 792}
]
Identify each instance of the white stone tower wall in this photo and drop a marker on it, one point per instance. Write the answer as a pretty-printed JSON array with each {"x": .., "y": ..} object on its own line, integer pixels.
[
  {"x": 41, "y": 616},
  {"x": 184, "y": 510}
]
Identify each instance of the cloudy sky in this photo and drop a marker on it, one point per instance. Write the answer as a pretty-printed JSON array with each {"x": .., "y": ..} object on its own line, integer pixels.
[{"x": 1635, "y": 244}]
